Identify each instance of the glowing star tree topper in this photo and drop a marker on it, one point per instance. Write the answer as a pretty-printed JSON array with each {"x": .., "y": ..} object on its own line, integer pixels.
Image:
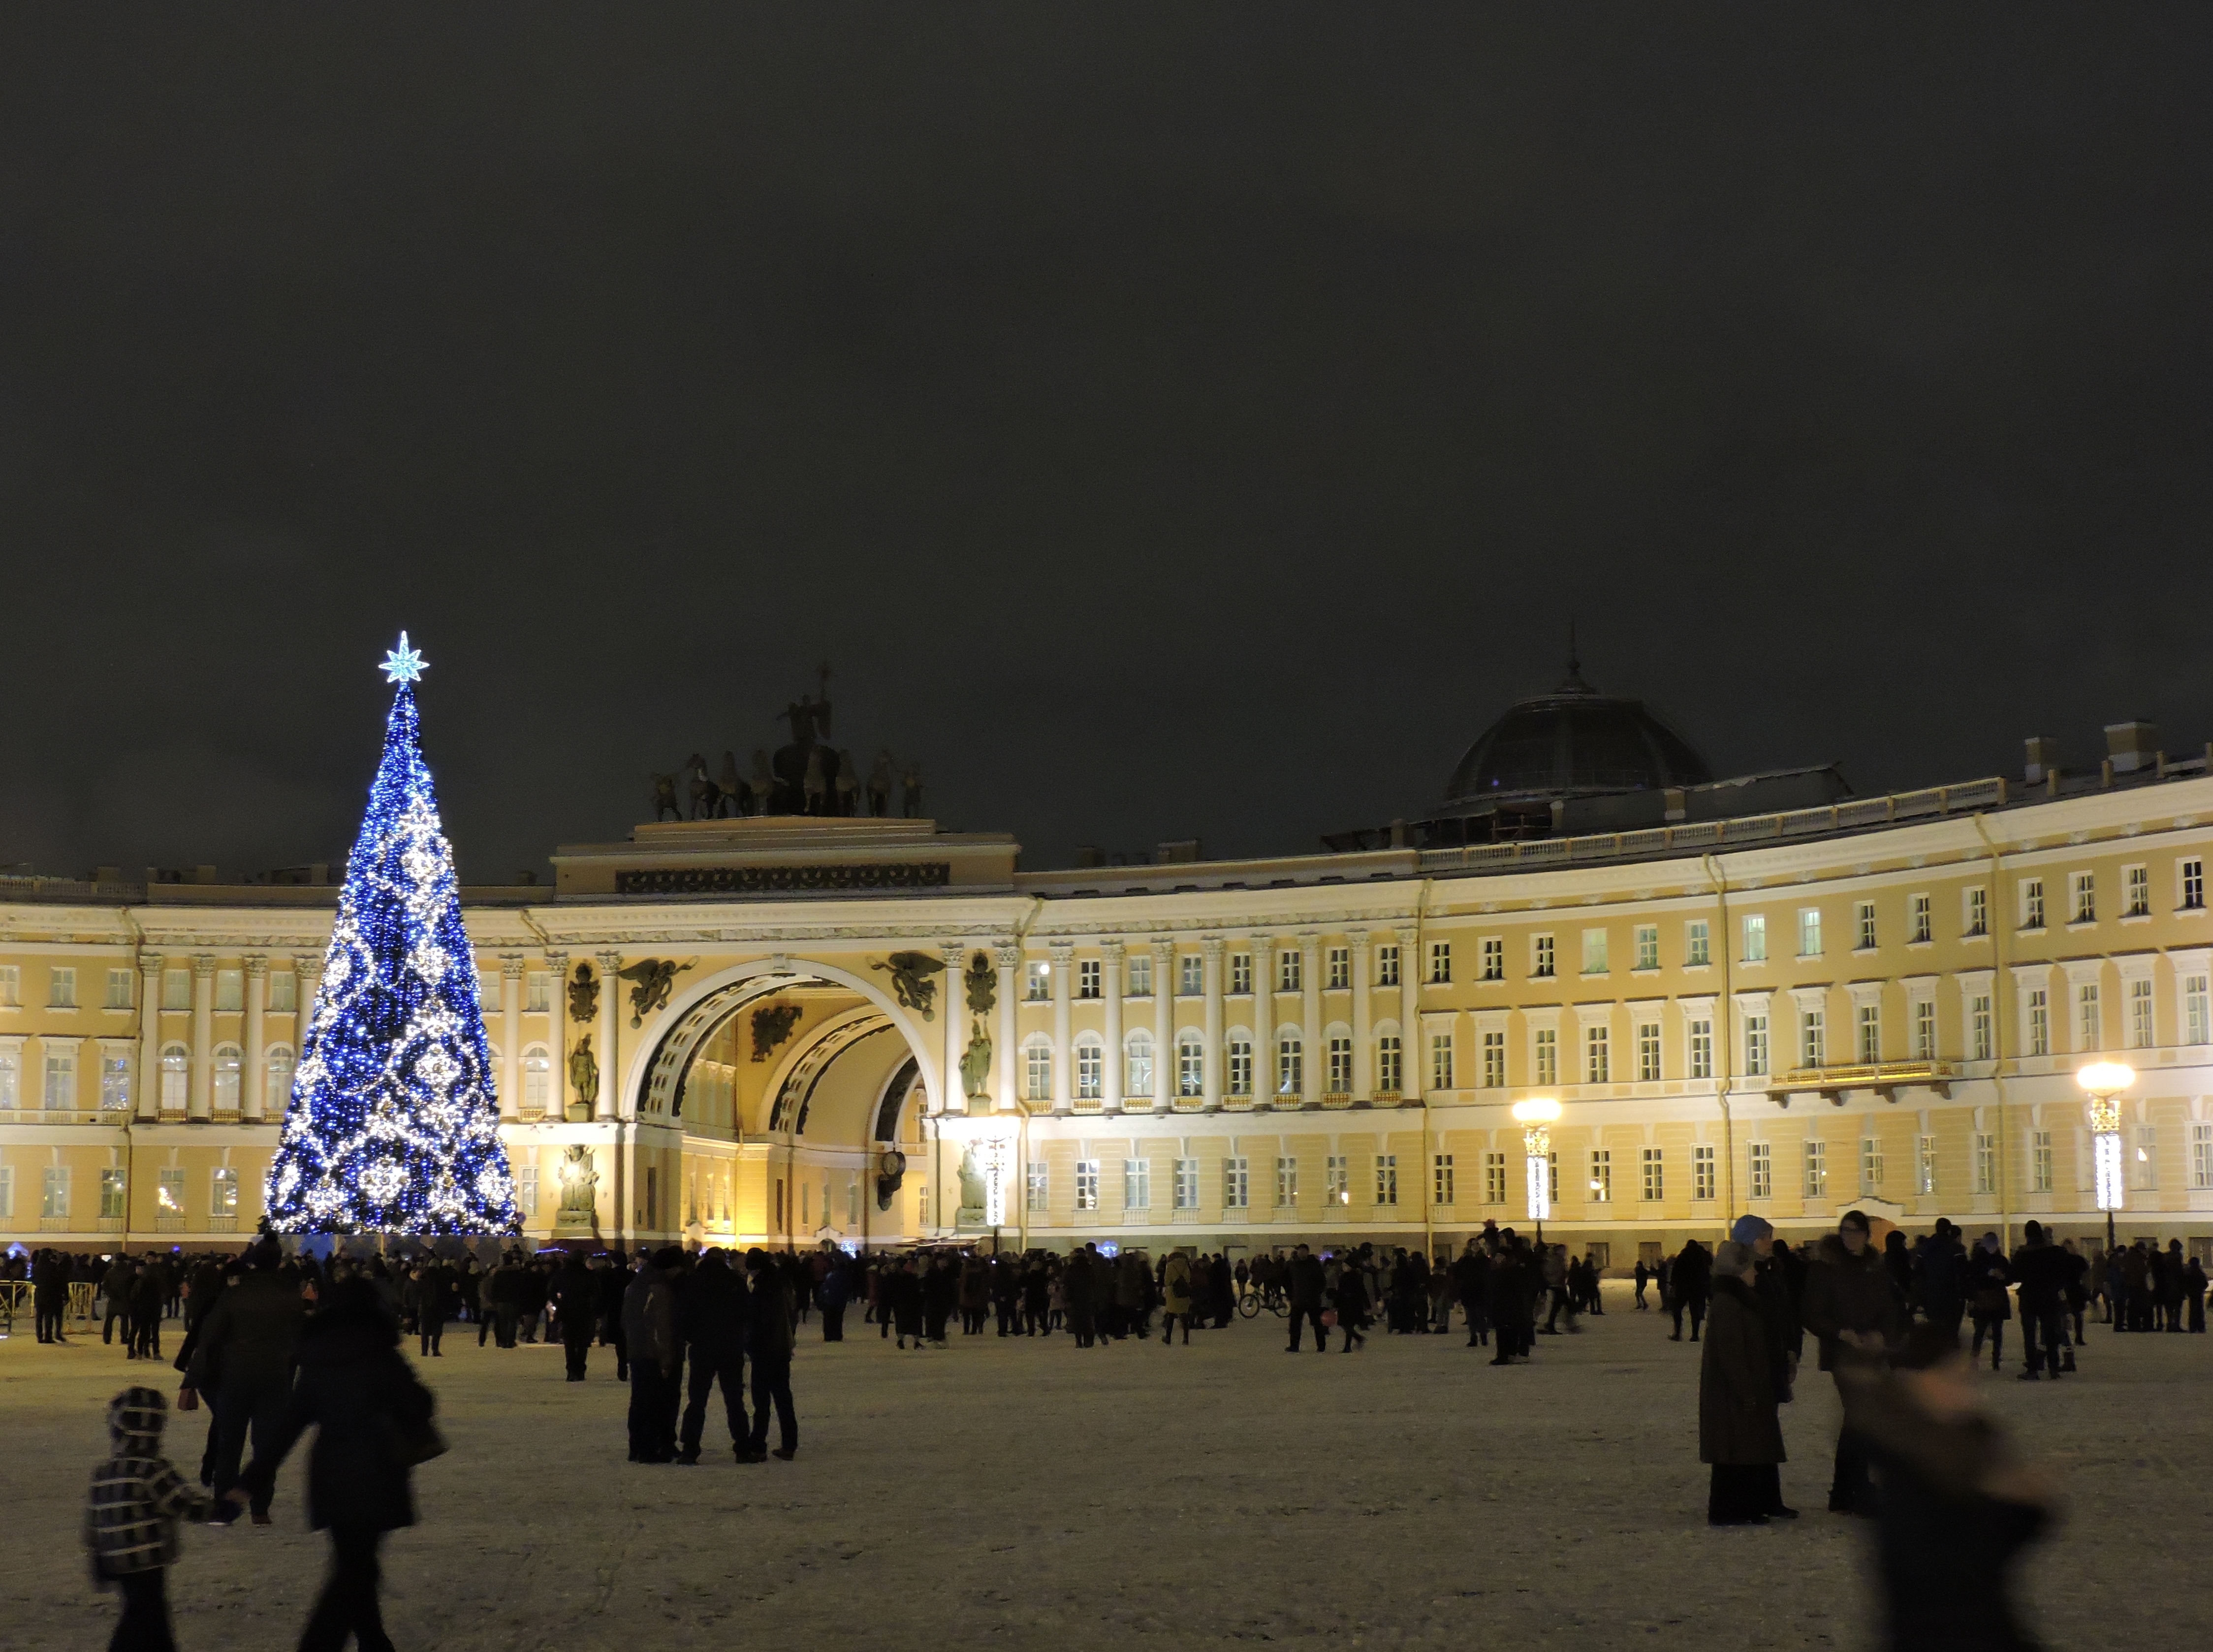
[{"x": 392, "y": 1126}]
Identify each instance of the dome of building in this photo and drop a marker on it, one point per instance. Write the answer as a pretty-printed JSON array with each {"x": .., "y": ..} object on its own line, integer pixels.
[{"x": 1574, "y": 742}]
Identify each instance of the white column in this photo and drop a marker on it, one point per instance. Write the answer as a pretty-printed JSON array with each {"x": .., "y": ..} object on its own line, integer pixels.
[
  {"x": 556, "y": 1022},
  {"x": 1363, "y": 1065},
  {"x": 1210, "y": 948},
  {"x": 257, "y": 1042},
  {"x": 610, "y": 1017},
  {"x": 1164, "y": 998},
  {"x": 1111, "y": 967},
  {"x": 1007, "y": 1058},
  {"x": 1064, "y": 1085},
  {"x": 510, "y": 1035},
  {"x": 952, "y": 1005},
  {"x": 1413, "y": 1059},
  {"x": 1311, "y": 1069},
  {"x": 202, "y": 1100},
  {"x": 150, "y": 1035},
  {"x": 1264, "y": 1020}
]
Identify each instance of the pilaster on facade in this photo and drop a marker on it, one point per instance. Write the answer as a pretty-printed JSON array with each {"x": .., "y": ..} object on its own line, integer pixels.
[
  {"x": 1211, "y": 949},
  {"x": 203, "y": 1046},
  {"x": 610, "y": 1055},
  {"x": 1167, "y": 1076},
  {"x": 1007, "y": 1058},
  {"x": 147, "y": 1080},
  {"x": 1111, "y": 1073},
  {"x": 1063, "y": 954},
  {"x": 257, "y": 1036}
]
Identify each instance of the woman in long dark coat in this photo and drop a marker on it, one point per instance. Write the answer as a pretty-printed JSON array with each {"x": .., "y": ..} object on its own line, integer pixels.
[
  {"x": 1739, "y": 1433},
  {"x": 358, "y": 1393}
]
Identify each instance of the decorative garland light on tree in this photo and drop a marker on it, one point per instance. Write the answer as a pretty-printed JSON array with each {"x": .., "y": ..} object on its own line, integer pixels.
[{"x": 392, "y": 1126}]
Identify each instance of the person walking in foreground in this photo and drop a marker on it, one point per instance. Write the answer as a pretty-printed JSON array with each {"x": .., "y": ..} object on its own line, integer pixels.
[
  {"x": 1958, "y": 1507},
  {"x": 372, "y": 1422},
  {"x": 1739, "y": 1433},
  {"x": 130, "y": 1518},
  {"x": 1850, "y": 1306}
]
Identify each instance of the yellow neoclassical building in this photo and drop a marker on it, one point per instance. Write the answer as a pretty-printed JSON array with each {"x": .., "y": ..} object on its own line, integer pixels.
[{"x": 1752, "y": 994}]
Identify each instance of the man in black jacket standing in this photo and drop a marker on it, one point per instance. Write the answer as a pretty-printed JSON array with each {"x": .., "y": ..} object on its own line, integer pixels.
[
  {"x": 2041, "y": 1270},
  {"x": 242, "y": 1355},
  {"x": 711, "y": 1314},
  {"x": 1690, "y": 1286},
  {"x": 575, "y": 1295},
  {"x": 1308, "y": 1284},
  {"x": 771, "y": 1322},
  {"x": 649, "y": 1313}
]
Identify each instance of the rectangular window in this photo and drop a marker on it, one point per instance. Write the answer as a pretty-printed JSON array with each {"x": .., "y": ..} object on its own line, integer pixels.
[
  {"x": 1340, "y": 969},
  {"x": 1698, "y": 947},
  {"x": 1648, "y": 1052},
  {"x": 1761, "y": 1162},
  {"x": 537, "y": 993},
  {"x": 1240, "y": 973},
  {"x": 11, "y": 980},
  {"x": 7, "y": 1192},
  {"x": 2146, "y": 1162},
  {"x": 1386, "y": 1179},
  {"x": 1916, "y": 919},
  {"x": 2135, "y": 892},
  {"x": 2201, "y": 1155},
  {"x": 1870, "y": 1164},
  {"x": 1702, "y": 1049},
  {"x": 61, "y": 1079},
  {"x": 1865, "y": 914},
  {"x": 1986, "y": 1164},
  {"x": 1138, "y": 1066},
  {"x": 1648, "y": 946},
  {"x": 1494, "y": 1178},
  {"x": 1090, "y": 1071},
  {"x": 1390, "y": 1065},
  {"x": 1755, "y": 937},
  {"x": 1597, "y": 1055},
  {"x": 1595, "y": 962},
  {"x": 2040, "y": 1161},
  {"x": 2032, "y": 903},
  {"x": 222, "y": 1200},
  {"x": 1494, "y": 1061},
  {"x": 1338, "y": 1173},
  {"x": 1601, "y": 1175},
  {"x": 1086, "y": 1182},
  {"x": 1090, "y": 974},
  {"x": 1755, "y": 1045},
  {"x": 2085, "y": 903},
  {"x": 1441, "y": 1189},
  {"x": 1241, "y": 1066},
  {"x": 1290, "y": 1067},
  {"x": 2039, "y": 1022},
  {"x": 62, "y": 987},
  {"x": 1387, "y": 966},
  {"x": 1038, "y": 977},
  {"x": 114, "y": 1081},
  {"x": 1191, "y": 1066},
  {"x": 1236, "y": 1183},
  {"x": 1137, "y": 975},
  {"x": 1703, "y": 1177},
  {"x": 1924, "y": 1157},
  {"x": 2193, "y": 886},
  {"x": 53, "y": 1192},
  {"x": 1440, "y": 962},
  {"x": 1817, "y": 1170},
  {"x": 1541, "y": 957},
  {"x": 119, "y": 988},
  {"x": 1813, "y": 1037},
  {"x": 1289, "y": 969},
  {"x": 1546, "y": 1052},
  {"x": 1037, "y": 1186},
  {"x": 176, "y": 988},
  {"x": 2089, "y": 1024},
  {"x": 1492, "y": 951},
  {"x": 1191, "y": 975},
  {"x": 1978, "y": 910},
  {"x": 1340, "y": 1066},
  {"x": 1441, "y": 1061},
  {"x": 284, "y": 993},
  {"x": 1652, "y": 1176},
  {"x": 1809, "y": 932},
  {"x": 112, "y": 1193},
  {"x": 1552, "y": 1179},
  {"x": 2197, "y": 1011},
  {"x": 1037, "y": 1064},
  {"x": 231, "y": 991},
  {"x": 1287, "y": 1183},
  {"x": 169, "y": 1194},
  {"x": 1982, "y": 1028},
  {"x": 1868, "y": 1023},
  {"x": 2140, "y": 1021}
]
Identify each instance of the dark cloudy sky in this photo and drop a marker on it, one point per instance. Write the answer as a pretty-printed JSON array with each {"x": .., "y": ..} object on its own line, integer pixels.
[{"x": 1174, "y": 421}]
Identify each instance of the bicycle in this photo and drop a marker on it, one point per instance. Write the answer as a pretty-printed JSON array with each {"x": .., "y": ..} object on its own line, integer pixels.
[{"x": 1272, "y": 1298}]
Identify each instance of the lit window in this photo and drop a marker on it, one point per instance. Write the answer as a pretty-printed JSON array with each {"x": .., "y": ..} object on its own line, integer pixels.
[
  {"x": 1136, "y": 1184},
  {"x": 1037, "y": 1186},
  {"x": 537, "y": 1078},
  {"x": 537, "y": 993},
  {"x": 61, "y": 1079},
  {"x": 176, "y": 988},
  {"x": 1185, "y": 1185},
  {"x": 1090, "y": 1070},
  {"x": 1236, "y": 1183},
  {"x": 2201, "y": 1155},
  {"x": 169, "y": 1194},
  {"x": 176, "y": 1078},
  {"x": 1137, "y": 975},
  {"x": 1037, "y": 1063},
  {"x": 1087, "y": 1184},
  {"x": 115, "y": 1080},
  {"x": 62, "y": 988},
  {"x": 111, "y": 1195},
  {"x": 1817, "y": 1170},
  {"x": 1755, "y": 937},
  {"x": 1040, "y": 980},
  {"x": 222, "y": 1194},
  {"x": 1290, "y": 1067},
  {"x": 119, "y": 988},
  {"x": 1287, "y": 1183},
  {"x": 1191, "y": 1065},
  {"x": 1601, "y": 1176},
  {"x": 228, "y": 1071},
  {"x": 1386, "y": 1179},
  {"x": 1809, "y": 932},
  {"x": 1870, "y": 1164},
  {"x": 1191, "y": 975},
  {"x": 1924, "y": 1158},
  {"x": 54, "y": 1192},
  {"x": 281, "y": 1064},
  {"x": 284, "y": 989},
  {"x": 1137, "y": 1064},
  {"x": 231, "y": 991},
  {"x": 1339, "y": 1175},
  {"x": 2196, "y": 1022},
  {"x": 1595, "y": 962}
]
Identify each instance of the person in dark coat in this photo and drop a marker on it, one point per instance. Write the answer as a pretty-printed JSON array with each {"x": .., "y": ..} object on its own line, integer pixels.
[
  {"x": 433, "y": 1305},
  {"x": 614, "y": 1286},
  {"x": 575, "y": 1295},
  {"x": 2040, "y": 1269},
  {"x": 836, "y": 1288},
  {"x": 356, "y": 1391},
  {"x": 1351, "y": 1301},
  {"x": 656, "y": 1353},
  {"x": 1688, "y": 1288},
  {"x": 940, "y": 1293},
  {"x": 1943, "y": 1270},
  {"x": 1739, "y": 1433},
  {"x": 2193, "y": 1289},
  {"x": 1988, "y": 1275},
  {"x": 145, "y": 1321},
  {"x": 901, "y": 1289},
  {"x": 1470, "y": 1275},
  {"x": 1849, "y": 1306},
  {"x": 771, "y": 1330},
  {"x": 1075, "y": 1290},
  {"x": 712, "y": 1313},
  {"x": 242, "y": 1357},
  {"x": 1512, "y": 1286},
  {"x": 1308, "y": 1285},
  {"x": 1958, "y": 1505}
]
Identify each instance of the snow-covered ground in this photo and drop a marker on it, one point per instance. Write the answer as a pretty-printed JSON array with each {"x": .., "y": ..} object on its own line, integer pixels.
[{"x": 1029, "y": 1494}]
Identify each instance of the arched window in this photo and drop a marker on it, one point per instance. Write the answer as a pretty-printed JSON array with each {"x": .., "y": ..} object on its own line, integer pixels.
[
  {"x": 1138, "y": 1065},
  {"x": 1036, "y": 1068},
  {"x": 1191, "y": 1064},
  {"x": 537, "y": 1078},
  {"x": 176, "y": 1077},
  {"x": 228, "y": 1065},
  {"x": 280, "y": 1076},
  {"x": 1240, "y": 1063},
  {"x": 1090, "y": 1068},
  {"x": 1290, "y": 1065},
  {"x": 1340, "y": 1062}
]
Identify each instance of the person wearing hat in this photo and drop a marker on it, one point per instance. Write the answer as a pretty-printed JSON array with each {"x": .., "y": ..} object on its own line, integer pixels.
[
  {"x": 1739, "y": 1433},
  {"x": 1850, "y": 1305}
]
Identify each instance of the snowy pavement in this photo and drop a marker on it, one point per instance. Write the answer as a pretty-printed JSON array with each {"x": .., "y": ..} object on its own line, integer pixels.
[{"x": 1029, "y": 1494}]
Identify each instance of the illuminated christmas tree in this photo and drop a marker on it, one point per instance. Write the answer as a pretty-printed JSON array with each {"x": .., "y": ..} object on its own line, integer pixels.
[{"x": 392, "y": 1126}]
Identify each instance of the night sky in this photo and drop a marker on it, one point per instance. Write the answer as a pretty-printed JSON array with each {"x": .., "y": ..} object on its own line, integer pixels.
[{"x": 1176, "y": 422}]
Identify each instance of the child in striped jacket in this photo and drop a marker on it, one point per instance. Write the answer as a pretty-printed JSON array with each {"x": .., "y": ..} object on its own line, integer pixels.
[{"x": 131, "y": 1519}]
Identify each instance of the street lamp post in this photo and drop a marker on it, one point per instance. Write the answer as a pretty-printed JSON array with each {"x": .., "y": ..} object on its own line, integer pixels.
[
  {"x": 2103, "y": 1083},
  {"x": 1535, "y": 1116}
]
